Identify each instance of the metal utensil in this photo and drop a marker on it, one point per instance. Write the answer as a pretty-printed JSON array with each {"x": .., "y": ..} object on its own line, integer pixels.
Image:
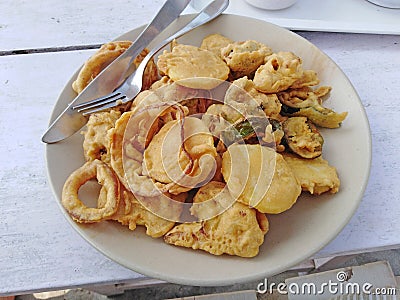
[
  {"x": 134, "y": 83},
  {"x": 70, "y": 121}
]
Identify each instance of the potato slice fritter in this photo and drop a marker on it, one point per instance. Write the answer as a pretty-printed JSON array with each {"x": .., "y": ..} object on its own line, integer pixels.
[
  {"x": 315, "y": 175},
  {"x": 260, "y": 177},
  {"x": 193, "y": 67}
]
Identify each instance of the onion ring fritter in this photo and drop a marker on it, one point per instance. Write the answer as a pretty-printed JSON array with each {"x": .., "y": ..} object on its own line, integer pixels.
[
  {"x": 105, "y": 56},
  {"x": 98, "y": 62},
  {"x": 105, "y": 176}
]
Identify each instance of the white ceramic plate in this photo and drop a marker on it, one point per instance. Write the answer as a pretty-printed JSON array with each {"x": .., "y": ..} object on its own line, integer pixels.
[{"x": 294, "y": 235}]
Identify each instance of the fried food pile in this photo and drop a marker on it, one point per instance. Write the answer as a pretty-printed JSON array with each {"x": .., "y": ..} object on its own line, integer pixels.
[{"x": 220, "y": 136}]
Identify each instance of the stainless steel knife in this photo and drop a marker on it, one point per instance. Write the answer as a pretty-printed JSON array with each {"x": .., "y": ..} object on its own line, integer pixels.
[{"x": 70, "y": 121}]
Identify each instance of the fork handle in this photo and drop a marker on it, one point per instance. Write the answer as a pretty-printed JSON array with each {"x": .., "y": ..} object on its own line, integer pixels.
[{"x": 210, "y": 12}]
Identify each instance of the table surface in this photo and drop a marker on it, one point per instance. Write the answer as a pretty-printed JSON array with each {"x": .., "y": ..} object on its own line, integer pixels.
[{"x": 38, "y": 248}]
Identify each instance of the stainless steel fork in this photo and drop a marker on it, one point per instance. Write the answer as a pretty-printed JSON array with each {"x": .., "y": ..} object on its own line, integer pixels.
[{"x": 134, "y": 83}]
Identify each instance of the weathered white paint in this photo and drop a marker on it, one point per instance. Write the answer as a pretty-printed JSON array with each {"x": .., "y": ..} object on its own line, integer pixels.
[
  {"x": 53, "y": 23},
  {"x": 372, "y": 64},
  {"x": 38, "y": 249}
]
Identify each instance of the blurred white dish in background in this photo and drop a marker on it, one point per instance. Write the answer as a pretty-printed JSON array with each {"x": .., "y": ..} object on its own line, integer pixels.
[
  {"x": 387, "y": 3},
  {"x": 272, "y": 4},
  {"x": 264, "y": 4}
]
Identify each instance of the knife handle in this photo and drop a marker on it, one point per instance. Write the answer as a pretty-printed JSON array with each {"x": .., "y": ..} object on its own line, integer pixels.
[{"x": 168, "y": 13}]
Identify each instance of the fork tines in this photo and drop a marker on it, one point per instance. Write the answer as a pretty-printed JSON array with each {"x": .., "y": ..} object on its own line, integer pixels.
[{"x": 100, "y": 104}]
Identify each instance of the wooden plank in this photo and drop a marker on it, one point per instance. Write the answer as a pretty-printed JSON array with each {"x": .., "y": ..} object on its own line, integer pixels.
[
  {"x": 52, "y": 23},
  {"x": 120, "y": 288},
  {"x": 38, "y": 248},
  {"x": 371, "y": 63}
]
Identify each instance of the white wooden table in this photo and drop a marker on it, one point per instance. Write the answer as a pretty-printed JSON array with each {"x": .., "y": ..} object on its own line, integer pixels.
[{"x": 38, "y": 248}]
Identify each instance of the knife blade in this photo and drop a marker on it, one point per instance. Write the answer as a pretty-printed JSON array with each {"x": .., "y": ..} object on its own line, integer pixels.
[{"x": 70, "y": 121}]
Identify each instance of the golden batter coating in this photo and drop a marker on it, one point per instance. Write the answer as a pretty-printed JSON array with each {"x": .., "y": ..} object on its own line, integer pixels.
[
  {"x": 98, "y": 62},
  {"x": 245, "y": 98},
  {"x": 96, "y": 143},
  {"x": 196, "y": 100},
  {"x": 142, "y": 127},
  {"x": 315, "y": 175},
  {"x": 280, "y": 71},
  {"x": 243, "y": 58},
  {"x": 165, "y": 159},
  {"x": 322, "y": 116},
  {"x": 309, "y": 78},
  {"x": 116, "y": 142},
  {"x": 105, "y": 56},
  {"x": 237, "y": 231},
  {"x": 302, "y": 137},
  {"x": 211, "y": 200},
  {"x": 105, "y": 176},
  {"x": 193, "y": 67},
  {"x": 117, "y": 135},
  {"x": 260, "y": 177},
  {"x": 308, "y": 103},
  {"x": 132, "y": 213},
  {"x": 219, "y": 117},
  {"x": 215, "y": 43}
]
